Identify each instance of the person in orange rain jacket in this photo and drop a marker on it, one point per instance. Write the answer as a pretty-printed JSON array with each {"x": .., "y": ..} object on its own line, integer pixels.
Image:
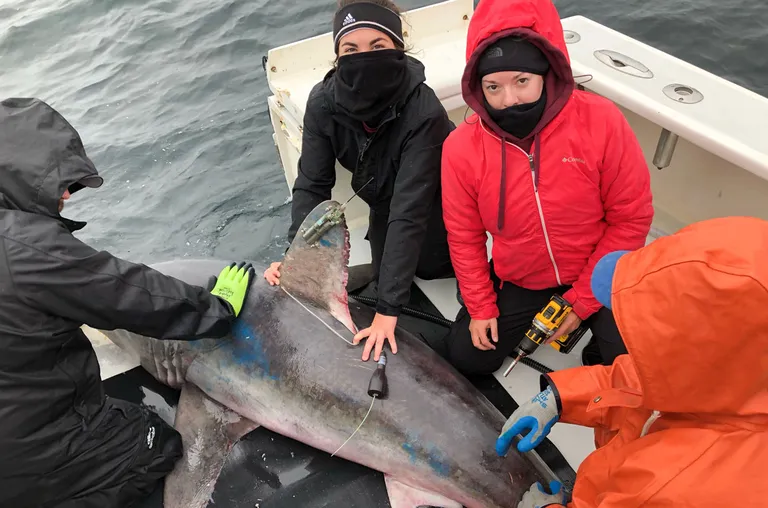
[
  {"x": 554, "y": 174},
  {"x": 682, "y": 419}
]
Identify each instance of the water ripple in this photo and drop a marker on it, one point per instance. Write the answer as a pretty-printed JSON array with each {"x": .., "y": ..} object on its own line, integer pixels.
[{"x": 170, "y": 99}]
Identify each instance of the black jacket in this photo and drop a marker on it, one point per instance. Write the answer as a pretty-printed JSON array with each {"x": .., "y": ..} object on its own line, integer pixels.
[
  {"x": 51, "y": 284},
  {"x": 403, "y": 157}
]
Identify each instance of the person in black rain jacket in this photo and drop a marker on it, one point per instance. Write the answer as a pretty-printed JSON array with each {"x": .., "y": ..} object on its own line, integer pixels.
[
  {"x": 63, "y": 443},
  {"x": 374, "y": 113}
]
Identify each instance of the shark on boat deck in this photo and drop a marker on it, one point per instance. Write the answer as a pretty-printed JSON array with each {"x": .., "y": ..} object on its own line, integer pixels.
[{"x": 289, "y": 365}]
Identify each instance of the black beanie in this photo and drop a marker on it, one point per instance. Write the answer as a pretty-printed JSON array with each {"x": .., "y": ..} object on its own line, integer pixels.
[{"x": 512, "y": 54}]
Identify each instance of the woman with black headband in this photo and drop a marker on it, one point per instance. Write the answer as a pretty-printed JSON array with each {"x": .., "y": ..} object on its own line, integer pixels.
[
  {"x": 374, "y": 113},
  {"x": 555, "y": 175}
]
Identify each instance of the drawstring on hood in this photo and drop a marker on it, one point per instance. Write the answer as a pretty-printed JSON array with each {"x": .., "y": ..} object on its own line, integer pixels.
[
  {"x": 41, "y": 156},
  {"x": 538, "y": 22}
]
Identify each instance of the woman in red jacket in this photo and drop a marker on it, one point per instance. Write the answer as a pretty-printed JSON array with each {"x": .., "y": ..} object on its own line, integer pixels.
[{"x": 554, "y": 174}]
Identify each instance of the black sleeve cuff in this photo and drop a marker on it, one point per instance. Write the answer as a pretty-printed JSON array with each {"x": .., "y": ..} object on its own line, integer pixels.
[
  {"x": 387, "y": 310},
  {"x": 227, "y": 305},
  {"x": 544, "y": 382}
]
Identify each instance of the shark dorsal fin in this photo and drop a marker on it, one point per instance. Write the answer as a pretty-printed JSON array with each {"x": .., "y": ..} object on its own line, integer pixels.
[{"x": 318, "y": 272}]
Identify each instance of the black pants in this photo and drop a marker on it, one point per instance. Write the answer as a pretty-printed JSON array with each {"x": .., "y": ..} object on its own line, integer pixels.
[
  {"x": 517, "y": 308},
  {"x": 113, "y": 463},
  {"x": 434, "y": 260}
]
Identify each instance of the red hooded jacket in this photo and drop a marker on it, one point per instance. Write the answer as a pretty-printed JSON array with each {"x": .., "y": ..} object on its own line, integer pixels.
[
  {"x": 682, "y": 420},
  {"x": 555, "y": 202}
]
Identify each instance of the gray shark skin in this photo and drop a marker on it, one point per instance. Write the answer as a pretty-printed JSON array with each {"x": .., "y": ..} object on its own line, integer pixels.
[{"x": 287, "y": 367}]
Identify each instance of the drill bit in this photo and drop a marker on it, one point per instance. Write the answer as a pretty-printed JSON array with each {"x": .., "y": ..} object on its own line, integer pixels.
[{"x": 512, "y": 365}]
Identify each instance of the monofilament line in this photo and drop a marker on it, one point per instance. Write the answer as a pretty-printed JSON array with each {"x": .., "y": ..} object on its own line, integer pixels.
[
  {"x": 358, "y": 427},
  {"x": 318, "y": 317}
]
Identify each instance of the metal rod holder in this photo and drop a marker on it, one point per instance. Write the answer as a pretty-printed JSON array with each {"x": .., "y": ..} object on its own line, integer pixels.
[{"x": 665, "y": 149}]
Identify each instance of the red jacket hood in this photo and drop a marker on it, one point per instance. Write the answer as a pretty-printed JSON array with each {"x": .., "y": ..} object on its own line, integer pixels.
[
  {"x": 539, "y": 21},
  {"x": 691, "y": 308}
]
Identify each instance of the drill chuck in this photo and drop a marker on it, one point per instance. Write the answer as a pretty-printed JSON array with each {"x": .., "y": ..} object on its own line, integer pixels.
[
  {"x": 539, "y": 331},
  {"x": 543, "y": 327},
  {"x": 528, "y": 346}
]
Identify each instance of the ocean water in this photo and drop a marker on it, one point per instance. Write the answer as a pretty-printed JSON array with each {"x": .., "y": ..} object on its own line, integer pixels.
[{"x": 169, "y": 97}]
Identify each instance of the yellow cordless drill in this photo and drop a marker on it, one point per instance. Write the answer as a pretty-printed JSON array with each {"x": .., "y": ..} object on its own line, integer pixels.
[{"x": 544, "y": 325}]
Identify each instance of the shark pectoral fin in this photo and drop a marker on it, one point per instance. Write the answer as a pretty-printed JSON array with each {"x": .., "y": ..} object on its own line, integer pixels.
[
  {"x": 318, "y": 271},
  {"x": 208, "y": 431},
  {"x": 405, "y": 496}
]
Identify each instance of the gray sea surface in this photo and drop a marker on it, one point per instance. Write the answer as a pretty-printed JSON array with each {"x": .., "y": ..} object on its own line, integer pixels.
[{"x": 169, "y": 97}]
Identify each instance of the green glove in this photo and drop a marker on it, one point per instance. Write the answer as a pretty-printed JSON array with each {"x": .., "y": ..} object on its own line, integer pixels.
[{"x": 233, "y": 283}]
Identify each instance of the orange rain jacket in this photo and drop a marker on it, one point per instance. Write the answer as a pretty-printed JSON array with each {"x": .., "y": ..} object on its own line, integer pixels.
[{"x": 682, "y": 420}]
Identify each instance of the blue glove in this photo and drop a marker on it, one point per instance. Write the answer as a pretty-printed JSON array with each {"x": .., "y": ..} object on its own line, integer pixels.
[
  {"x": 537, "y": 497},
  {"x": 536, "y": 416}
]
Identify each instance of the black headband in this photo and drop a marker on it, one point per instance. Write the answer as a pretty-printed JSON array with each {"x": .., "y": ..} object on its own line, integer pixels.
[
  {"x": 367, "y": 15},
  {"x": 512, "y": 54}
]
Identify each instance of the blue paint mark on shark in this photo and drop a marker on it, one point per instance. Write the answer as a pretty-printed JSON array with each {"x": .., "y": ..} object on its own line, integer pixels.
[
  {"x": 438, "y": 463},
  {"x": 248, "y": 349},
  {"x": 434, "y": 457},
  {"x": 325, "y": 243},
  {"x": 408, "y": 447}
]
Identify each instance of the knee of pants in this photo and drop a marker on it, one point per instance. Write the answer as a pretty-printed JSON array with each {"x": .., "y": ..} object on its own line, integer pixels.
[
  {"x": 484, "y": 363},
  {"x": 469, "y": 360},
  {"x": 160, "y": 451},
  {"x": 606, "y": 335},
  {"x": 168, "y": 447}
]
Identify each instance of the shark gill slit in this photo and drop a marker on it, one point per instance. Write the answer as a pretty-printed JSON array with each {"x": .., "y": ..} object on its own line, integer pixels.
[{"x": 318, "y": 318}]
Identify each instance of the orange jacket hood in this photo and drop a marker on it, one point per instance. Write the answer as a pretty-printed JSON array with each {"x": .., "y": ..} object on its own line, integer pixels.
[
  {"x": 691, "y": 308},
  {"x": 536, "y": 20}
]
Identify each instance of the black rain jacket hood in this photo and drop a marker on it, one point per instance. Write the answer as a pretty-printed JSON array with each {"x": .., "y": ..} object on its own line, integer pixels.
[{"x": 41, "y": 156}]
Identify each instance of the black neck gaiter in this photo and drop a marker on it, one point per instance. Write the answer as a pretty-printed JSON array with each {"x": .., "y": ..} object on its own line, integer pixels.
[
  {"x": 368, "y": 83},
  {"x": 519, "y": 120}
]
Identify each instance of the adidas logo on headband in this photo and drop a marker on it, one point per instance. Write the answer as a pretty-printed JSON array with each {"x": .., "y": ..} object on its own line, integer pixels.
[{"x": 367, "y": 15}]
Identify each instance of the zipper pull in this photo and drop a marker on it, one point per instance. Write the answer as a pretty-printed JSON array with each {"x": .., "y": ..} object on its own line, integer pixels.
[
  {"x": 533, "y": 172},
  {"x": 363, "y": 149}
]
